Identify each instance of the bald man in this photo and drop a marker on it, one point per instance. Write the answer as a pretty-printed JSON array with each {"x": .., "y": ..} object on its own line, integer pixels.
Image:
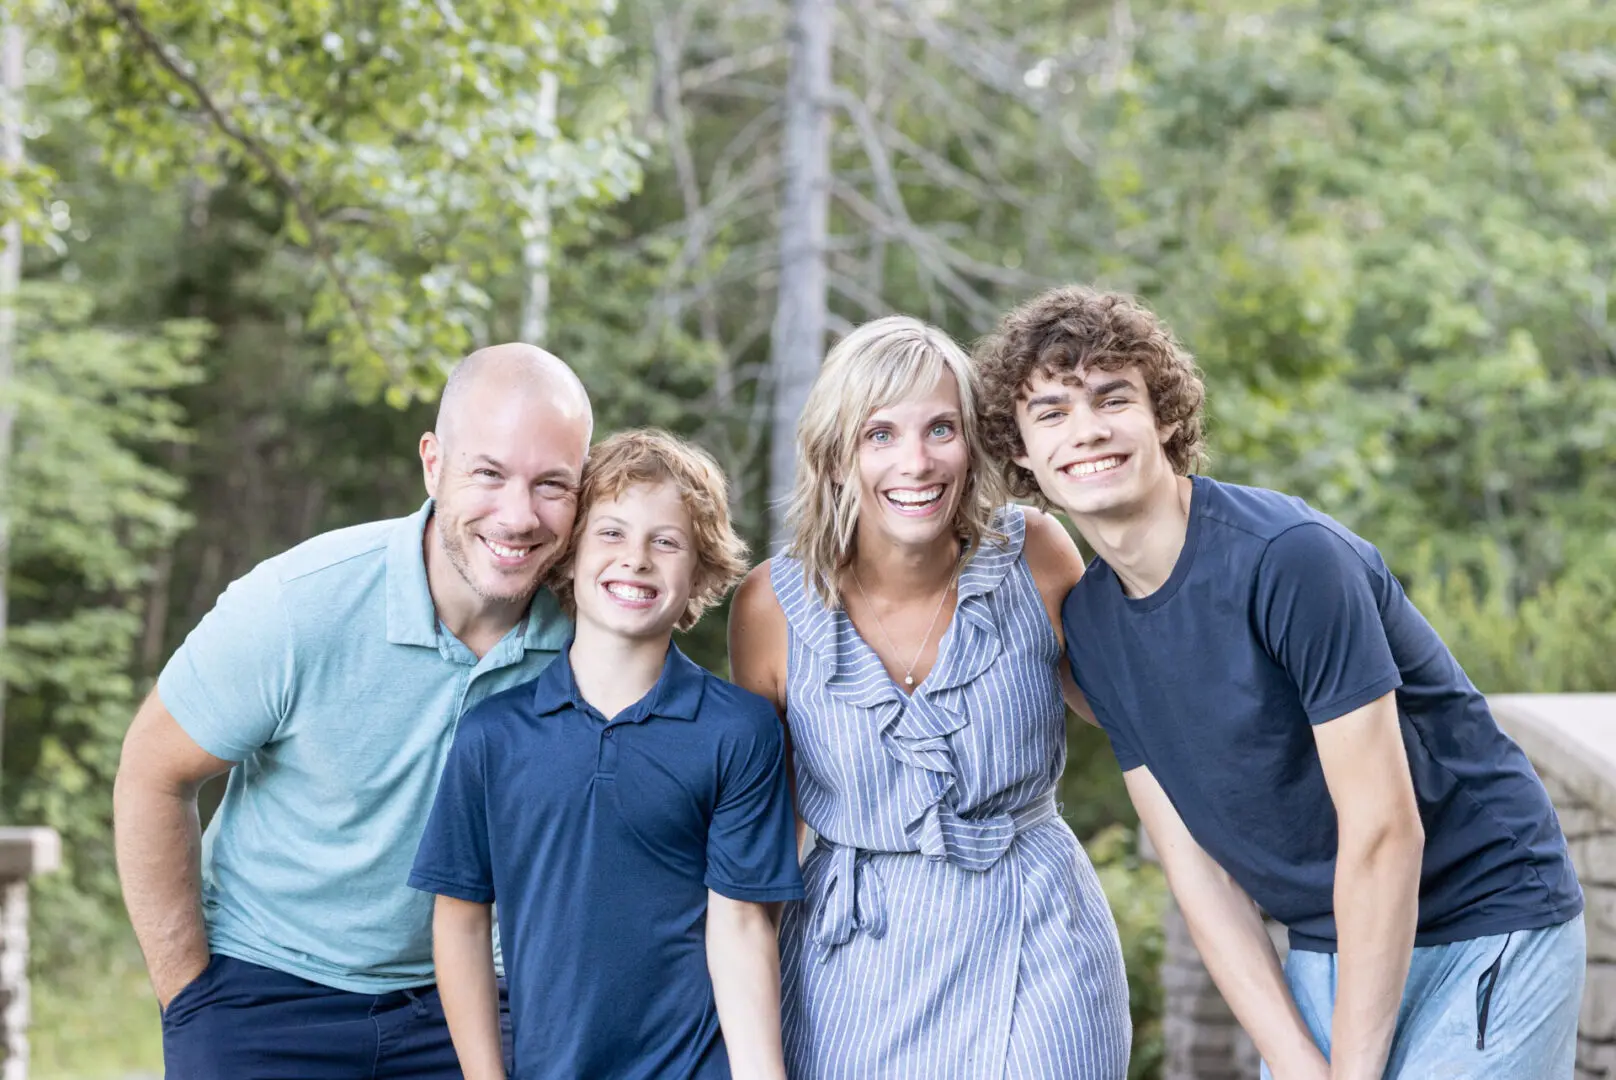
[{"x": 328, "y": 682}]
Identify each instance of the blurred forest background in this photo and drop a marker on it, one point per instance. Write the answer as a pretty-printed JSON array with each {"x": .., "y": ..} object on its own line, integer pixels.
[{"x": 252, "y": 232}]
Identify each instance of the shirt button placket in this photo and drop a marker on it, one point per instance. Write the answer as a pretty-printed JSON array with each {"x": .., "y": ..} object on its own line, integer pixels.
[{"x": 608, "y": 752}]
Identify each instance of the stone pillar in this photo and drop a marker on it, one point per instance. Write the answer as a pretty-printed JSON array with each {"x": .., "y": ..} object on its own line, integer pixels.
[
  {"x": 1591, "y": 836},
  {"x": 1571, "y": 741},
  {"x": 24, "y": 853}
]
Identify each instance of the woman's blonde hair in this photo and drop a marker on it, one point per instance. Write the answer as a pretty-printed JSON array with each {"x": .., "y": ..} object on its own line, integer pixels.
[
  {"x": 652, "y": 456},
  {"x": 879, "y": 364}
]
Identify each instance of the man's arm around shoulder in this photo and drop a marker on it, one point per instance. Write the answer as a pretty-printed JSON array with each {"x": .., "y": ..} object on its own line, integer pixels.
[{"x": 158, "y": 842}]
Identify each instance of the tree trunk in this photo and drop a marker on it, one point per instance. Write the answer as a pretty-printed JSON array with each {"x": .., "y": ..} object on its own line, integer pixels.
[
  {"x": 798, "y": 336},
  {"x": 536, "y": 230},
  {"x": 11, "y": 90}
]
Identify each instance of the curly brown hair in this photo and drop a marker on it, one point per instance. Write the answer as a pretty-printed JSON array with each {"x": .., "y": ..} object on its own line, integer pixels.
[
  {"x": 1067, "y": 330},
  {"x": 652, "y": 456}
]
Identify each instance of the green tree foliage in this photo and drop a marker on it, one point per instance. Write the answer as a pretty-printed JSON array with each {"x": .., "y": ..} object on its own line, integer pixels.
[
  {"x": 90, "y": 514},
  {"x": 1387, "y": 233},
  {"x": 399, "y": 141},
  {"x": 1385, "y": 230}
]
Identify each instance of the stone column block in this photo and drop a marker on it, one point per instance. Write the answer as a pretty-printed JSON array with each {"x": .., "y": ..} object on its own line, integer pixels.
[{"x": 24, "y": 853}]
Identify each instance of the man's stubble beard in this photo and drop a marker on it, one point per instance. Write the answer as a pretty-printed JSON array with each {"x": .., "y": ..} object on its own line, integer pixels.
[{"x": 454, "y": 548}]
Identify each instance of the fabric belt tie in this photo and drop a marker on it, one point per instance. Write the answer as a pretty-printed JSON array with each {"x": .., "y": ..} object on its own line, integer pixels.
[{"x": 853, "y": 894}]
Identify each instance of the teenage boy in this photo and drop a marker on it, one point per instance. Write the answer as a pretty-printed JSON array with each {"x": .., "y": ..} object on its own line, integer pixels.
[
  {"x": 1291, "y": 730},
  {"x": 628, "y": 810}
]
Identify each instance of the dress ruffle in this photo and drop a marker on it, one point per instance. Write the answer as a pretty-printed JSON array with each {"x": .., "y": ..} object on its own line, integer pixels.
[{"x": 916, "y": 728}]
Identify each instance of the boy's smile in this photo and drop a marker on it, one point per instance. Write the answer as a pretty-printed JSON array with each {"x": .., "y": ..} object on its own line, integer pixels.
[{"x": 636, "y": 562}]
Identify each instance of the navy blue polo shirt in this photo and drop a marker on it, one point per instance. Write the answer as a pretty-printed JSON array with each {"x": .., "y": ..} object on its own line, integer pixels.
[
  {"x": 600, "y": 840},
  {"x": 1277, "y": 618}
]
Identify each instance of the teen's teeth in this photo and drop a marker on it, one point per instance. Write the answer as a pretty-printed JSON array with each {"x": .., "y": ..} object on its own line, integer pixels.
[
  {"x": 506, "y": 552},
  {"x": 1089, "y": 468},
  {"x": 624, "y": 591}
]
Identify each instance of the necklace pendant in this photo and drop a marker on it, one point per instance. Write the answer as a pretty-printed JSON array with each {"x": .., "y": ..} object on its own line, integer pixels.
[{"x": 908, "y": 680}]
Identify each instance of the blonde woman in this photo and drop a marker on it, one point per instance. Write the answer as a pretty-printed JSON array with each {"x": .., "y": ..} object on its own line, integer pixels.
[{"x": 953, "y": 926}]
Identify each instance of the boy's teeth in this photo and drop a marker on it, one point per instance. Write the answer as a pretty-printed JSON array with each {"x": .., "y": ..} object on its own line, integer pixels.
[{"x": 630, "y": 592}]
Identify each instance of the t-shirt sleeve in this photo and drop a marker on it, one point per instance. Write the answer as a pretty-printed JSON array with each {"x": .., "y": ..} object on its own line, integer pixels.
[
  {"x": 454, "y": 858},
  {"x": 1319, "y": 617},
  {"x": 752, "y": 841},
  {"x": 1128, "y": 756},
  {"x": 1121, "y": 743},
  {"x": 229, "y": 685}
]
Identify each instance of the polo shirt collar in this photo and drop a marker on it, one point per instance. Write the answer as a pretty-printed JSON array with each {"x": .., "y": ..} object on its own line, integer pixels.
[
  {"x": 413, "y": 620},
  {"x": 675, "y": 696}
]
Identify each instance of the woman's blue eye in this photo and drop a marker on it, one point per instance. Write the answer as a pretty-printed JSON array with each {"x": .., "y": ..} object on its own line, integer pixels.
[
  {"x": 880, "y": 436},
  {"x": 942, "y": 430}
]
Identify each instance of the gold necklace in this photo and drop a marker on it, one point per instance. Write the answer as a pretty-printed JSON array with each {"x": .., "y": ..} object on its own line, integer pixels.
[{"x": 908, "y": 672}]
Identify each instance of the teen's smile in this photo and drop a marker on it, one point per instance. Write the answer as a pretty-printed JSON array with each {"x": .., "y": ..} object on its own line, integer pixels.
[{"x": 1091, "y": 468}]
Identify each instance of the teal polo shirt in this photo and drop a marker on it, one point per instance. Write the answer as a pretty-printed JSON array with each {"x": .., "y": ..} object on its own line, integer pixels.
[{"x": 327, "y": 675}]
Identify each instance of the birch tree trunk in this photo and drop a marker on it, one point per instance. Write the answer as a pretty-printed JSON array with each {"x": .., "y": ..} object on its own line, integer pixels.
[
  {"x": 11, "y": 91},
  {"x": 536, "y": 230},
  {"x": 798, "y": 336}
]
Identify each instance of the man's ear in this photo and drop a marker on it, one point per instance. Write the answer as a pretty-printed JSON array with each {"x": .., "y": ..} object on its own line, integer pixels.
[
  {"x": 1166, "y": 433},
  {"x": 431, "y": 462}
]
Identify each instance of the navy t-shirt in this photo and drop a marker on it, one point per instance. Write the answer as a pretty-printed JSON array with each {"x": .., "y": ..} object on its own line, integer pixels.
[
  {"x": 1276, "y": 618},
  {"x": 599, "y": 841}
]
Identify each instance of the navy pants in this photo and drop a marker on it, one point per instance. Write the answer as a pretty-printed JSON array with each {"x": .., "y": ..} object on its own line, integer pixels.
[{"x": 240, "y": 1021}]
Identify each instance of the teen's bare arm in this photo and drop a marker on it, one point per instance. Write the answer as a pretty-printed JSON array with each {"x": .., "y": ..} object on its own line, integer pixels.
[
  {"x": 1229, "y": 934},
  {"x": 758, "y": 641},
  {"x": 1056, "y": 564},
  {"x": 463, "y": 953},
  {"x": 158, "y": 843},
  {"x": 743, "y": 957},
  {"x": 1377, "y": 880}
]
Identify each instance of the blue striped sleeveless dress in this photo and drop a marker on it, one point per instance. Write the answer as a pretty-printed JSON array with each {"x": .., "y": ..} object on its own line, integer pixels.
[{"x": 953, "y": 928}]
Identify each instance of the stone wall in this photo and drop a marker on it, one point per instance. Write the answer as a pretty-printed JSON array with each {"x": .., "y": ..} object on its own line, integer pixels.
[
  {"x": 1571, "y": 741},
  {"x": 1592, "y": 837}
]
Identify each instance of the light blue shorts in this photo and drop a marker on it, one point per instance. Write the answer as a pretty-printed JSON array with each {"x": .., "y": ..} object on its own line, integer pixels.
[{"x": 1483, "y": 1009}]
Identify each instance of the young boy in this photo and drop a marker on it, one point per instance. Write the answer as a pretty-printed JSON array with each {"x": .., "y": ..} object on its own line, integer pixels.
[
  {"x": 1291, "y": 731},
  {"x": 628, "y": 810}
]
